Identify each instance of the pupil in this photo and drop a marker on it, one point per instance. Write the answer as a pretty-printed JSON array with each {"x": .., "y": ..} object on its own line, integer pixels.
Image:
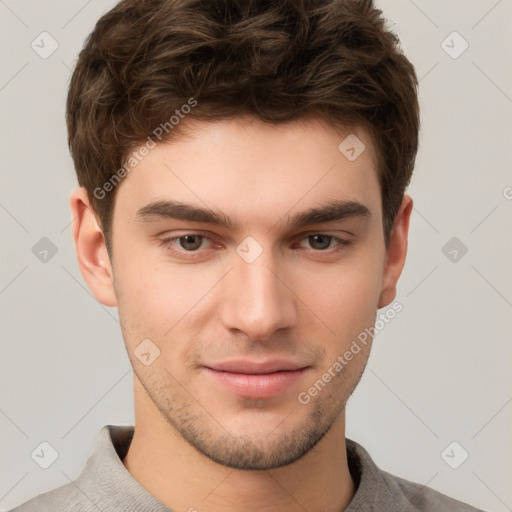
[
  {"x": 186, "y": 242},
  {"x": 324, "y": 245}
]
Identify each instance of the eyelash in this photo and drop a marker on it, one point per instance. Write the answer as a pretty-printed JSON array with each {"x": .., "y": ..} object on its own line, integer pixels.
[{"x": 168, "y": 244}]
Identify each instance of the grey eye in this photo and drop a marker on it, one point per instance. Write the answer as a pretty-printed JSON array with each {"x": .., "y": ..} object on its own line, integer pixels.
[
  {"x": 191, "y": 242},
  {"x": 320, "y": 242}
]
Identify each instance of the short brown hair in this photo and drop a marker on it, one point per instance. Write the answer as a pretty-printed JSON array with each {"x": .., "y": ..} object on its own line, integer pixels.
[{"x": 278, "y": 61}]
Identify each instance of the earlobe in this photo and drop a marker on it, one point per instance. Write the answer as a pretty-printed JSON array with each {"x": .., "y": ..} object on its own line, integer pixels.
[
  {"x": 396, "y": 252},
  {"x": 91, "y": 251}
]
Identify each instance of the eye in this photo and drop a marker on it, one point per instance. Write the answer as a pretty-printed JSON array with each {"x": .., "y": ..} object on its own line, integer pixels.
[
  {"x": 190, "y": 242},
  {"x": 322, "y": 241},
  {"x": 193, "y": 245},
  {"x": 186, "y": 245}
]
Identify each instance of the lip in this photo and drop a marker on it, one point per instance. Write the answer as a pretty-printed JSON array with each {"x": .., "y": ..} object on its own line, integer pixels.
[
  {"x": 256, "y": 367},
  {"x": 251, "y": 379}
]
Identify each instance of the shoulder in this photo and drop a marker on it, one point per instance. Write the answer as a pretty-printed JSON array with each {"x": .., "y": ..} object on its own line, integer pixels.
[
  {"x": 415, "y": 497},
  {"x": 382, "y": 491},
  {"x": 103, "y": 485},
  {"x": 61, "y": 499}
]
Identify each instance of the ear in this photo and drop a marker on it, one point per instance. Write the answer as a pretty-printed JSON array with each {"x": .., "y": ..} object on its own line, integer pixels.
[
  {"x": 396, "y": 252},
  {"x": 91, "y": 250}
]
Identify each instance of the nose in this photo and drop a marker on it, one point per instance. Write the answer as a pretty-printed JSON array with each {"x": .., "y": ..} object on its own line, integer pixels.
[{"x": 257, "y": 300}]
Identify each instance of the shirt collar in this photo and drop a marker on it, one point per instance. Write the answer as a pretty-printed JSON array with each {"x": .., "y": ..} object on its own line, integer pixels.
[
  {"x": 105, "y": 477},
  {"x": 108, "y": 482}
]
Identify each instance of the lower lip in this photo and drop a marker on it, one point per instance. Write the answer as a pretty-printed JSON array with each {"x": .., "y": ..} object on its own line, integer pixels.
[{"x": 257, "y": 385}]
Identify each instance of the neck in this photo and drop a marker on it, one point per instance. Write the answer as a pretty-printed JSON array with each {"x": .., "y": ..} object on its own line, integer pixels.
[{"x": 183, "y": 479}]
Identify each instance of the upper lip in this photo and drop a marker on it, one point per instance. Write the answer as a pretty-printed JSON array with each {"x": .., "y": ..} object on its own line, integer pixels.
[{"x": 256, "y": 367}]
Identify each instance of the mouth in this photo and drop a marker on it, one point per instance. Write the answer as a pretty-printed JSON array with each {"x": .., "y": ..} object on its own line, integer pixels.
[{"x": 252, "y": 379}]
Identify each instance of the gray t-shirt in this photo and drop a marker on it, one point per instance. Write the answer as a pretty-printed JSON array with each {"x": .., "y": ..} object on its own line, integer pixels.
[{"x": 105, "y": 485}]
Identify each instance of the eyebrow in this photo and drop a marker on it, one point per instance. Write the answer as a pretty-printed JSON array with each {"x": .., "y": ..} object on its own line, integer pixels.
[{"x": 329, "y": 212}]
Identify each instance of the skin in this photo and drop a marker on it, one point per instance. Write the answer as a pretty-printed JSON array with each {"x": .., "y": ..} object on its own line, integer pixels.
[{"x": 197, "y": 445}]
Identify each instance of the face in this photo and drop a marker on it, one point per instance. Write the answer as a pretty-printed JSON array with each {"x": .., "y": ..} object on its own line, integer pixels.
[{"x": 247, "y": 304}]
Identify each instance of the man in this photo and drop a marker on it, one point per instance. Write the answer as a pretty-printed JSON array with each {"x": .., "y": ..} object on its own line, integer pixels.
[{"x": 242, "y": 169}]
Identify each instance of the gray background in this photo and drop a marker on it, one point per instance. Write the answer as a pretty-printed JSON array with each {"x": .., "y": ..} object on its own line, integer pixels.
[{"x": 439, "y": 372}]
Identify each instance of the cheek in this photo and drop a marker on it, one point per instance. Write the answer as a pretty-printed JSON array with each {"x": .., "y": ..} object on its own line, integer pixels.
[
  {"x": 147, "y": 297},
  {"x": 162, "y": 301},
  {"x": 346, "y": 297}
]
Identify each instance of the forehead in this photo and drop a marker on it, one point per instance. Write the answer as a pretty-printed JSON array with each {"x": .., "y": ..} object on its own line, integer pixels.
[{"x": 245, "y": 166}]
